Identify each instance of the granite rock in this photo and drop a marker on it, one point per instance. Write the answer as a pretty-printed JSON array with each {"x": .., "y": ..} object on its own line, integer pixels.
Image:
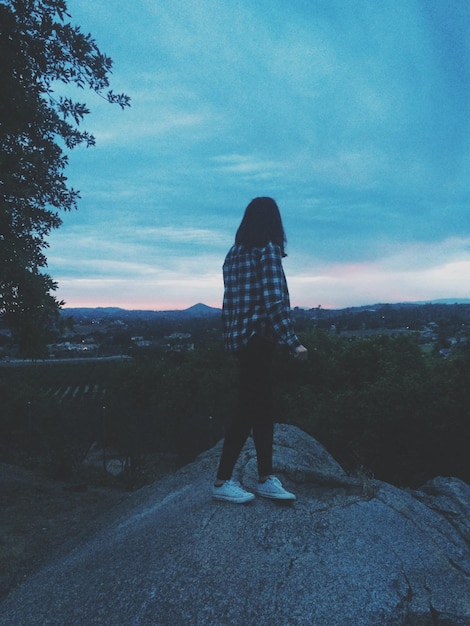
[{"x": 349, "y": 552}]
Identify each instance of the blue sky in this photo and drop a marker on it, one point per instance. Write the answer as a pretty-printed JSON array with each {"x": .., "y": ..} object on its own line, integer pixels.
[{"x": 352, "y": 114}]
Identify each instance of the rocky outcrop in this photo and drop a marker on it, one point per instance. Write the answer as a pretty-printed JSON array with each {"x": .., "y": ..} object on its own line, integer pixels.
[{"x": 348, "y": 552}]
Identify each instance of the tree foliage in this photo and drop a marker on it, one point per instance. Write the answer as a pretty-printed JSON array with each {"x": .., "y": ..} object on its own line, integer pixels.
[
  {"x": 382, "y": 404},
  {"x": 379, "y": 405},
  {"x": 41, "y": 53}
]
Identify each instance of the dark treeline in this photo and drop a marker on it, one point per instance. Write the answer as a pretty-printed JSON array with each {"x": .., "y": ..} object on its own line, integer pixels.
[
  {"x": 449, "y": 317},
  {"x": 379, "y": 405}
]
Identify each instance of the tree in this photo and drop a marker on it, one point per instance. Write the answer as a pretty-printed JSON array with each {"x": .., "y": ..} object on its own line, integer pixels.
[{"x": 40, "y": 53}]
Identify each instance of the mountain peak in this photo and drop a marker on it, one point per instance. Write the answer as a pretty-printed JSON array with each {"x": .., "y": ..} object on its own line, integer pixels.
[{"x": 201, "y": 309}]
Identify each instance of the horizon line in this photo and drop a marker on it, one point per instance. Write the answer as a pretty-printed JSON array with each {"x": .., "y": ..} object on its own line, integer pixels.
[{"x": 305, "y": 308}]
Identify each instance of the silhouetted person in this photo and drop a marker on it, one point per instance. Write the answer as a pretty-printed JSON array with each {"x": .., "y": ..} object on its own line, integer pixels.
[{"x": 256, "y": 317}]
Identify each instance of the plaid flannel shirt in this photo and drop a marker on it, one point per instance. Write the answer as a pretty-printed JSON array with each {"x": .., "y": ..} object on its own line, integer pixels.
[{"x": 256, "y": 298}]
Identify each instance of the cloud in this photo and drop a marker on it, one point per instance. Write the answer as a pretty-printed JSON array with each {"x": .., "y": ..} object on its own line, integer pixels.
[
  {"x": 248, "y": 167},
  {"x": 181, "y": 235},
  {"x": 408, "y": 274},
  {"x": 155, "y": 290}
]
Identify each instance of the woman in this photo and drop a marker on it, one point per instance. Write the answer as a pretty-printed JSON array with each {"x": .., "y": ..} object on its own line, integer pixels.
[{"x": 256, "y": 317}]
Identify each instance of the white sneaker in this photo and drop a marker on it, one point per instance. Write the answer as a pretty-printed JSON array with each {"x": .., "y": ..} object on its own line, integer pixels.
[
  {"x": 272, "y": 488},
  {"x": 232, "y": 491}
]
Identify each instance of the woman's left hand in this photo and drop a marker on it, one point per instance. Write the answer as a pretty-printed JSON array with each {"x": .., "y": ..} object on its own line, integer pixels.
[{"x": 301, "y": 353}]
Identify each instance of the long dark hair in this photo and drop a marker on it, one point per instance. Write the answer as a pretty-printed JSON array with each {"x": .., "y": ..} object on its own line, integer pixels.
[{"x": 261, "y": 224}]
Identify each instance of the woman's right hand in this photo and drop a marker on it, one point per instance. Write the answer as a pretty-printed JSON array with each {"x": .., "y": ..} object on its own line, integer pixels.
[{"x": 301, "y": 353}]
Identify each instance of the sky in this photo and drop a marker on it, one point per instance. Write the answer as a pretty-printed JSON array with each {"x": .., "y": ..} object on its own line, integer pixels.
[{"x": 352, "y": 114}]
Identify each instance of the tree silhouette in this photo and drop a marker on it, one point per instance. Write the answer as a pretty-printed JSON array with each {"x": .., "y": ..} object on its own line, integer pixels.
[{"x": 40, "y": 52}]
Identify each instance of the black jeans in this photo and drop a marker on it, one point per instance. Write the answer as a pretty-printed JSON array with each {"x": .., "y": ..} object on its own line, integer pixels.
[{"x": 255, "y": 409}]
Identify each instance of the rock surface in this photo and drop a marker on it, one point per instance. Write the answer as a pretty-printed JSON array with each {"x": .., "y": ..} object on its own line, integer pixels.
[{"x": 348, "y": 552}]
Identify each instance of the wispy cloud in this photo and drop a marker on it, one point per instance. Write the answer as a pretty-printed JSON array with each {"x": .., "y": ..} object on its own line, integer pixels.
[
  {"x": 182, "y": 235},
  {"x": 249, "y": 167}
]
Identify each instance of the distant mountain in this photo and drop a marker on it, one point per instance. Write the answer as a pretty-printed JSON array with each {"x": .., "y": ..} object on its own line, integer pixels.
[
  {"x": 409, "y": 305},
  {"x": 447, "y": 301},
  {"x": 201, "y": 310},
  {"x": 198, "y": 310},
  {"x": 84, "y": 311},
  {"x": 391, "y": 305}
]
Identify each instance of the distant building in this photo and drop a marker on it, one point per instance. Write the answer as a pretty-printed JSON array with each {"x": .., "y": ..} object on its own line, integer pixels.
[{"x": 179, "y": 336}]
